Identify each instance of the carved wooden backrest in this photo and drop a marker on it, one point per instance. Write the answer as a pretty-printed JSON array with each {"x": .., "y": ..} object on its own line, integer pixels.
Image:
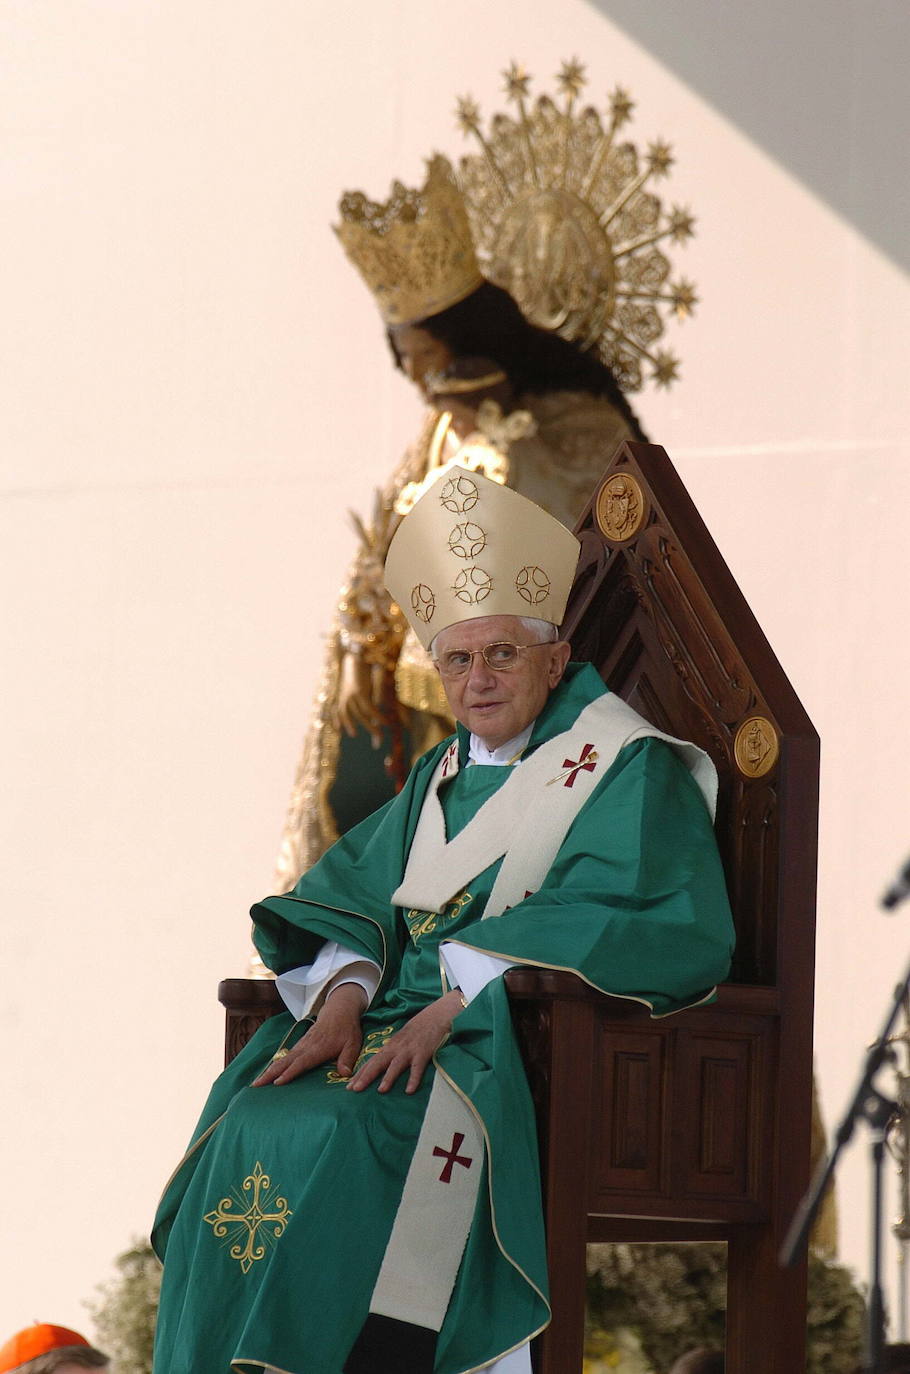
[
  {"x": 697, "y": 1126},
  {"x": 656, "y": 609}
]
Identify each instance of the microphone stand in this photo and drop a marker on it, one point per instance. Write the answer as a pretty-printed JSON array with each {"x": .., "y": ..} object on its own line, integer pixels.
[{"x": 870, "y": 1105}]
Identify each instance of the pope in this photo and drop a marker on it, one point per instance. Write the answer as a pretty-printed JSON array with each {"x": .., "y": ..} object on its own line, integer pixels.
[{"x": 362, "y": 1193}]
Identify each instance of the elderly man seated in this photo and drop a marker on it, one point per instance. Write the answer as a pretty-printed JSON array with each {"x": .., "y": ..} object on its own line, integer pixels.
[{"x": 362, "y": 1193}]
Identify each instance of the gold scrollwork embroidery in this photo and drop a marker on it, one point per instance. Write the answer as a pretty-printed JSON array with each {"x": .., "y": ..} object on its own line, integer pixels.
[
  {"x": 422, "y": 923},
  {"x": 459, "y": 495},
  {"x": 467, "y": 540},
  {"x": 371, "y": 1045},
  {"x": 533, "y": 584},
  {"x": 255, "y": 1229},
  {"x": 472, "y": 585},
  {"x": 423, "y": 602}
]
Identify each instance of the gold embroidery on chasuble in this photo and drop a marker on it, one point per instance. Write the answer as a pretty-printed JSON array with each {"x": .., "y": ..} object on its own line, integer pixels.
[
  {"x": 371, "y": 1045},
  {"x": 426, "y": 922},
  {"x": 255, "y": 1229}
]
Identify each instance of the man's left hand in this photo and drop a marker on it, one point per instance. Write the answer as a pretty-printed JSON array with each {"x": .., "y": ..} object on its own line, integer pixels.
[{"x": 411, "y": 1049}]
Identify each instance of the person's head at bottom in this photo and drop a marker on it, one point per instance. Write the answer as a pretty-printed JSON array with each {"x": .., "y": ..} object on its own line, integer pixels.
[
  {"x": 700, "y": 1361},
  {"x": 47, "y": 1349}
]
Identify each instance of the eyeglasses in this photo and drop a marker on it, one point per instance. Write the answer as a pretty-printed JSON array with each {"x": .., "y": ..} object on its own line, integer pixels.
[{"x": 502, "y": 658}]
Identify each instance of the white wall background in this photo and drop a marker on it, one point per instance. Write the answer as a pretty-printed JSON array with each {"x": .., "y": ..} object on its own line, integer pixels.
[{"x": 194, "y": 388}]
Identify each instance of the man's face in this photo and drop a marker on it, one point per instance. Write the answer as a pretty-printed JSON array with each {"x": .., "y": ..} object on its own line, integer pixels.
[{"x": 496, "y": 706}]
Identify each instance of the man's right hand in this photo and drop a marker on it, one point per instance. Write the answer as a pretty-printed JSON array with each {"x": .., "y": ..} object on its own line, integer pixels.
[{"x": 335, "y": 1035}]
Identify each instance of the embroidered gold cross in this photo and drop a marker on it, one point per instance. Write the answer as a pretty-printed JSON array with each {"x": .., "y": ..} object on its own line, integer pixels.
[
  {"x": 249, "y": 1222},
  {"x": 586, "y": 760}
]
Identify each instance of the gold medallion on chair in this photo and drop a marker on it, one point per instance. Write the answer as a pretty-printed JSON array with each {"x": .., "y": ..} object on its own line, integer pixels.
[
  {"x": 756, "y": 747},
  {"x": 620, "y": 507}
]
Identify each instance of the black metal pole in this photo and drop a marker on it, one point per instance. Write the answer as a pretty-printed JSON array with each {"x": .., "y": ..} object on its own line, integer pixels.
[
  {"x": 878, "y": 1111},
  {"x": 864, "y": 1099}
]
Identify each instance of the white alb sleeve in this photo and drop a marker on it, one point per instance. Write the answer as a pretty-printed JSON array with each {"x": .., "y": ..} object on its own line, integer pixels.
[
  {"x": 516, "y": 1362},
  {"x": 303, "y": 989},
  {"x": 471, "y": 969}
]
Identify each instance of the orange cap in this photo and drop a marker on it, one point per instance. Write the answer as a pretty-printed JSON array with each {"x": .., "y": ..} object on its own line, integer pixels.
[{"x": 34, "y": 1341}]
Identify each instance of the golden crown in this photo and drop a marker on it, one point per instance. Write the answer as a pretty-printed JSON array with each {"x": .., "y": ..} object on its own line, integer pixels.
[{"x": 415, "y": 252}]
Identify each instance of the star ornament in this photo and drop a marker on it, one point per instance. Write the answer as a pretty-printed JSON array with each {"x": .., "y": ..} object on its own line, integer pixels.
[
  {"x": 467, "y": 112},
  {"x": 681, "y": 224},
  {"x": 683, "y": 298},
  {"x": 571, "y": 78},
  {"x": 666, "y": 368},
  {"x": 517, "y": 82},
  {"x": 660, "y": 158},
  {"x": 621, "y": 107}
]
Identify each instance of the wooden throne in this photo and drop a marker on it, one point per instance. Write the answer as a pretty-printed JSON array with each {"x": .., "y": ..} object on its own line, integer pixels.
[{"x": 696, "y": 1126}]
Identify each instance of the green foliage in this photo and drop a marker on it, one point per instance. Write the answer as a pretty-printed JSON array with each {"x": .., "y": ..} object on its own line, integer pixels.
[
  {"x": 835, "y": 1318},
  {"x": 125, "y": 1312},
  {"x": 673, "y": 1297}
]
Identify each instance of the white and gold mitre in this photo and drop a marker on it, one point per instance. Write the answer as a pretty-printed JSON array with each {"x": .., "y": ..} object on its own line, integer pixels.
[
  {"x": 415, "y": 252},
  {"x": 472, "y": 548}
]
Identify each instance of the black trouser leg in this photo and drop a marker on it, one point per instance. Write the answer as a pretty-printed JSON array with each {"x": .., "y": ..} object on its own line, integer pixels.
[{"x": 388, "y": 1346}]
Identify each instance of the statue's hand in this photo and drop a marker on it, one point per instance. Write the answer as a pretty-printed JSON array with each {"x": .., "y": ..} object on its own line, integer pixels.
[{"x": 357, "y": 705}]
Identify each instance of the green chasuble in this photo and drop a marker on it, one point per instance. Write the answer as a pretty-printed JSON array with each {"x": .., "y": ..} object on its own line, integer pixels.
[{"x": 274, "y": 1226}]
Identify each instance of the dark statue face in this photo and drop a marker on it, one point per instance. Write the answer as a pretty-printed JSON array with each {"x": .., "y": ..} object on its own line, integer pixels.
[{"x": 420, "y": 354}]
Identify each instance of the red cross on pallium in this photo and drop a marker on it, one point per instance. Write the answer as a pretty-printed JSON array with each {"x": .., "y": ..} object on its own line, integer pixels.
[
  {"x": 451, "y": 756},
  {"x": 452, "y": 1157},
  {"x": 589, "y": 753}
]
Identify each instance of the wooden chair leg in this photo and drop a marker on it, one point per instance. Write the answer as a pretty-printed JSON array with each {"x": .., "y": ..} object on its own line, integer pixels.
[
  {"x": 766, "y": 1313},
  {"x": 561, "y": 1347}
]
